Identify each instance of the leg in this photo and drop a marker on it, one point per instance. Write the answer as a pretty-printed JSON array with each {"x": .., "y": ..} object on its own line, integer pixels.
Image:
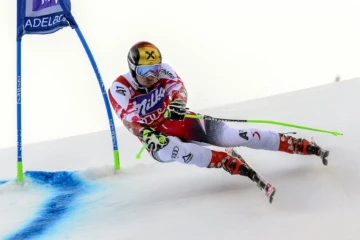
[
  {"x": 189, "y": 153},
  {"x": 186, "y": 153},
  {"x": 222, "y": 135}
]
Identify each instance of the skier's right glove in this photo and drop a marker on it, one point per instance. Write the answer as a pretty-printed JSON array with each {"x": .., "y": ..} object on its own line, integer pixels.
[{"x": 155, "y": 140}]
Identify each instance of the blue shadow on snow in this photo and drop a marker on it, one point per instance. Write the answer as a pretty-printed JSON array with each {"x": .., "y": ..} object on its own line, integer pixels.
[
  {"x": 3, "y": 182},
  {"x": 67, "y": 188}
]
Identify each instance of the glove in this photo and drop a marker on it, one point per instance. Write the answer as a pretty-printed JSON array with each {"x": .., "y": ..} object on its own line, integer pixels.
[
  {"x": 155, "y": 140},
  {"x": 176, "y": 110}
]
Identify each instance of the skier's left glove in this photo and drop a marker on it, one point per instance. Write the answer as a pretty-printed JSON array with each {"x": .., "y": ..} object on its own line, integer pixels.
[
  {"x": 155, "y": 140},
  {"x": 176, "y": 110}
]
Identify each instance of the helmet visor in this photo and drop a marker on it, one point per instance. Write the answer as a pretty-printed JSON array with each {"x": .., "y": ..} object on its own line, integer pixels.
[{"x": 148, "y": 70}]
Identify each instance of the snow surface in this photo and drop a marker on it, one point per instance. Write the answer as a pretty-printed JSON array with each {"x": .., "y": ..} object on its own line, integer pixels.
[{"x": 72, "y": 192}]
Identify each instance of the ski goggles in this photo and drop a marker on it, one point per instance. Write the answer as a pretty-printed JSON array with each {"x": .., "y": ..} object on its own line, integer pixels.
[{"x": 148, "y": 70}]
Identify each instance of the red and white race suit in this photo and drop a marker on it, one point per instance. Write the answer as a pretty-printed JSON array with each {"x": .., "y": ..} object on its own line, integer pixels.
[{"x": 140, "y": 107}]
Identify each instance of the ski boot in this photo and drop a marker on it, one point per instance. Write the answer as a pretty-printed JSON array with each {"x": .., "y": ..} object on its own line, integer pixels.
[
  {"x": 235, "y": 164},
  {"x": 301, "y": 146}
]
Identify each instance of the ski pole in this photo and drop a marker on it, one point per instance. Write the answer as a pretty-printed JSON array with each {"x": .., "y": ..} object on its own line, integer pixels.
[
  {"x": 335, "y": 133},
  {"x": 138, "y": 155}
]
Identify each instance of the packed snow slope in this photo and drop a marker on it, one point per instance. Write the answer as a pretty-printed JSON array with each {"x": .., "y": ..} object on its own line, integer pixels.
[{"x": 72, "y": 192}]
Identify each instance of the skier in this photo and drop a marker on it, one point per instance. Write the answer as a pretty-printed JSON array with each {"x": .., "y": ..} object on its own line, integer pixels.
[{"x": 151, "y": 102}]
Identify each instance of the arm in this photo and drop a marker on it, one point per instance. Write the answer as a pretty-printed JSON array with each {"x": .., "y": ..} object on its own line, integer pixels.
[
  {"x": 181, "y": 94},
  {"x": 178, "y": 95},
  {"x": 119, "y": 96},
  {"x": 173, "y": 84}
]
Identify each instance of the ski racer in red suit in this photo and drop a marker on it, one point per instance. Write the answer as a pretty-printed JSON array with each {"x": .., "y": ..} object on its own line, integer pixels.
[{"x": 141, "y": 97}]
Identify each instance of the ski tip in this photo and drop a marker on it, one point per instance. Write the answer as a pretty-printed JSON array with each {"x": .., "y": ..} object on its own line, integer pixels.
[
  {"x": 272, "y": 196},
  {"x": 270, "y": 192},
  {"x": 324, "y": 158}
]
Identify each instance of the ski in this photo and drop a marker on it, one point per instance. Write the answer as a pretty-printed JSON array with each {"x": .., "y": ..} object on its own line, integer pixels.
[
  {"x": 322, "y": 153},
  {"x": 257, "y": 178}
]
